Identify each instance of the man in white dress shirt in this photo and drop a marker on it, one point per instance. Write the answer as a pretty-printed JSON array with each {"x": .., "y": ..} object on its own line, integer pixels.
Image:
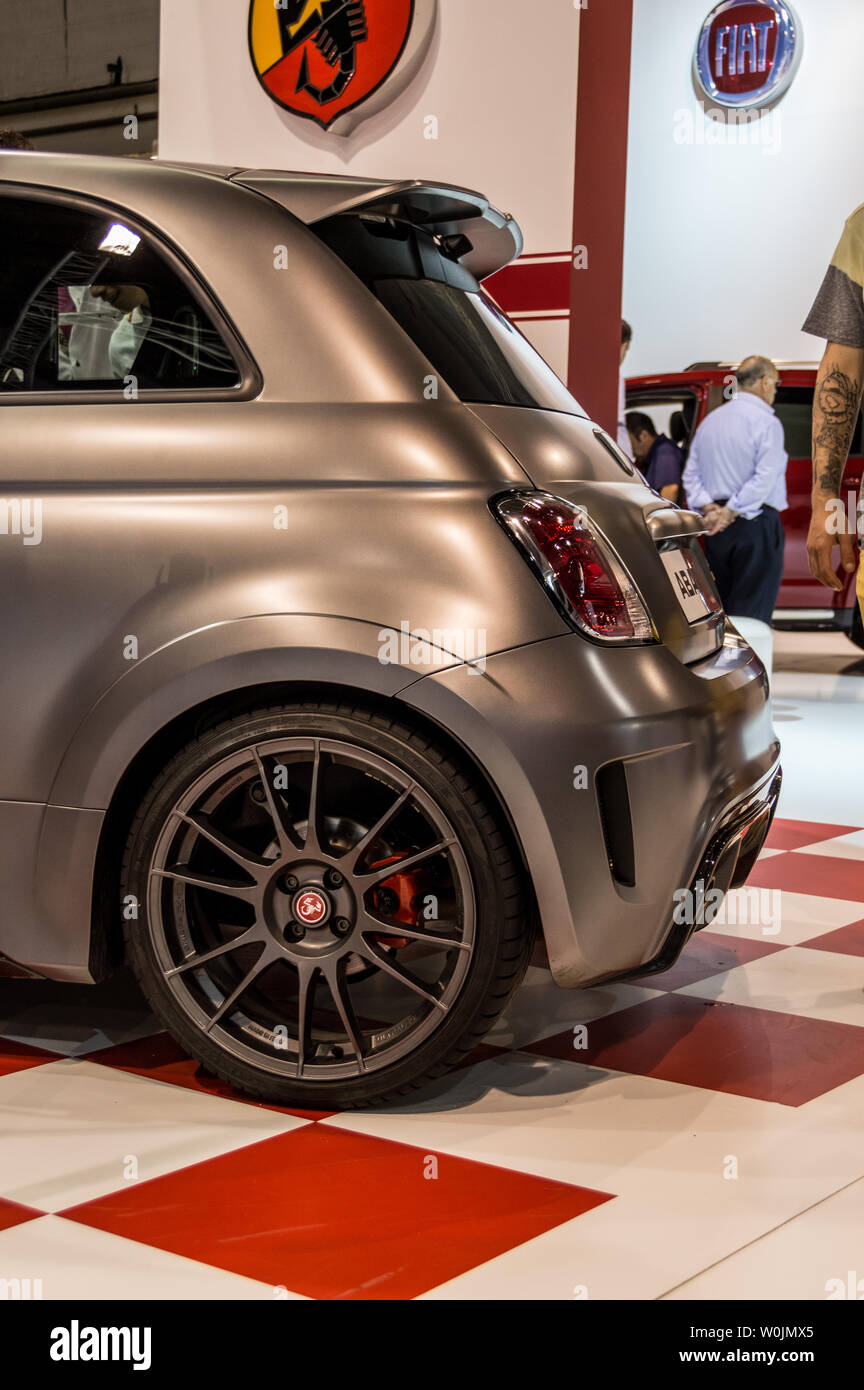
[{"x": 736, "y": 476}]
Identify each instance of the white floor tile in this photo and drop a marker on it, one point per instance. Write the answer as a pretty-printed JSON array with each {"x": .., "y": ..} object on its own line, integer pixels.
[
  {"x": 817, "y": 1255},
  {"x": 77, "y": 1262},
  {"x": 801, "y": 916},
  {"x": 73, "y": 1130},
  {"x": 843, "y": 847},
  {"x": 756, "y": 913},
  {"x": 817, "y": 714},
  {"x": 809, "y": 984}
]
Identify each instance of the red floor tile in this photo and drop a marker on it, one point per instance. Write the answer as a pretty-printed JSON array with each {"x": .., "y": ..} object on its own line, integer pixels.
[
  {"x": 15, "y": 1056},
  {"x": 792, "y": 834},
  {"x": 820, "y": 875},
  {"x": 706, "y": 954},
  {"x": 336, "y": 1215},
  {"x": 11, "y": 1214},
  {"x": 720, "y": 1047},
  {"x": 162, "y": 1059},
  {"x": 846, "y": 941}
]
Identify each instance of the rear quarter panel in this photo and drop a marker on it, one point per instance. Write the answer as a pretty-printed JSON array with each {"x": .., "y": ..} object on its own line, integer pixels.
[{"x": 163, "y": 521}]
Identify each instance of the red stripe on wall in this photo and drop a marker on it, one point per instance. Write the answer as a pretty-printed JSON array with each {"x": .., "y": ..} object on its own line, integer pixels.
[
  {"x": 525, "y": 288},
  {"x": 605, "y": 44}
]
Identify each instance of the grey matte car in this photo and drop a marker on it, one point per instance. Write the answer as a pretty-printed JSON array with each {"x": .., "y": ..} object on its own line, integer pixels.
[{"x": 342, "y": 652}]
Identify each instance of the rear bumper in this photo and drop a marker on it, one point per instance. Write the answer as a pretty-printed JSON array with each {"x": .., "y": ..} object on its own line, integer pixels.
[
  {"x": 726, "y": 864},
  {"x": 626, "y": 775}
]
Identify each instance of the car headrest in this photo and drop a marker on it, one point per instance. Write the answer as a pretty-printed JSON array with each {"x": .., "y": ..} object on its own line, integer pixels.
[{"x": 679, "y": 429}]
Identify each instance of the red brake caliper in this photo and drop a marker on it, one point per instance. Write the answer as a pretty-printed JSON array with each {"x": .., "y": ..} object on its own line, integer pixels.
[{"x": 405, "y": 888}]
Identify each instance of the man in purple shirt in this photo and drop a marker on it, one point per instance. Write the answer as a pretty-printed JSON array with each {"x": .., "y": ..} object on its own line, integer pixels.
[{"x": 660, "y": 461}]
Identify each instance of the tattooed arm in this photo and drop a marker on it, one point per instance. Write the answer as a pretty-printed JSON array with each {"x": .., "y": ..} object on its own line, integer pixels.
[{"x": 836, "y": 403}]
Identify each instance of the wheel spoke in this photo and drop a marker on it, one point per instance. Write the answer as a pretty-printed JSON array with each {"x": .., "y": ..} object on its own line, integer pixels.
[
  {"x": 285, "y": 833},
  {"x": 194, "y": 961},
  {"x": 251, "y": 863},
  {"x": 337, "y": 980},
  {"x": 366, "y": 881},
  {"x": 181, "y": 873},
  {"x": 312, "y": 844},
  {"x": 266, "y": 958},
  {"x": 391, "y": 927},
  {"x": 356, "y": 854},
  {"x": 307, "y": 974},
  {"x": 368, "y": 952}
]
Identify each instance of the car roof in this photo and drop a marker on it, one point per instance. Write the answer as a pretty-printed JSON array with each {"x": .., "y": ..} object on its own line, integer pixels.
[
  {"x": 717, "y": 374},
  {"x": 782, "y": 363},
  {"x": 445, "y": 209}
]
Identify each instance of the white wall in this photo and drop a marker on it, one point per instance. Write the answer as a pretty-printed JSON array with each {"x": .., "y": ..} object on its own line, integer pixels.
[
  {"x": 726, "y": 246},
  {"x": 64, "y": 45},
  {"x": 501, "y": 82}
]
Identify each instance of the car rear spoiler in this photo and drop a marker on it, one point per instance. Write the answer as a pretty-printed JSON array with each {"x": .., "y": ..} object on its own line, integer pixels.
[{"x": 495, "y": 238}]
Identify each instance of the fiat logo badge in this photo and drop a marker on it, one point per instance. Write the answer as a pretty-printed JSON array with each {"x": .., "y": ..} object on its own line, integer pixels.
[
  {"x": 310, "y": 907},
  {"x": 748, "y": 52}
]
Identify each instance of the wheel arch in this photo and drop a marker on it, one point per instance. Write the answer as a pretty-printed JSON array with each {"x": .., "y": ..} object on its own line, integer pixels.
[{"x": 106, "y": 934}]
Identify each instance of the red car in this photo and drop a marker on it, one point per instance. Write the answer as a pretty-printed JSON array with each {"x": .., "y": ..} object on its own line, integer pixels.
[{"x": 678, "y": 403}]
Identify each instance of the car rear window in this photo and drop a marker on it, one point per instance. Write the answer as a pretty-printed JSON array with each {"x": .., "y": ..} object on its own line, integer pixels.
[
  {"x": 466, "y": 337},
  {"x": 480, "y": 354}
]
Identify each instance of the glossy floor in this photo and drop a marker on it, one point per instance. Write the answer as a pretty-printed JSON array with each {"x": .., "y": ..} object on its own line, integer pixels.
[{"x": 696, "y": 1135}]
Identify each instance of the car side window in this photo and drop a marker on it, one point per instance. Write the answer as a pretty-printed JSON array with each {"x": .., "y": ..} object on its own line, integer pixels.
[
  {"x": 87, "y": 304},
  {"x": 794, "y": 407}
]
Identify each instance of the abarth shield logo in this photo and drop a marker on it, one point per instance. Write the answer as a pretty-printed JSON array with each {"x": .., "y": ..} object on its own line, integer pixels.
[{"x": 323, "y": 58}]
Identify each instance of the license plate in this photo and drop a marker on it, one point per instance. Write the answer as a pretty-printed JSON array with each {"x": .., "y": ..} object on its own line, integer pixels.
[{"x": 684, "y": 579}]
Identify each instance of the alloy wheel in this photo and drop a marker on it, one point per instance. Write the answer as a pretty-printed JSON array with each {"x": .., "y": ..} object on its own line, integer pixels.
[{"x": 311, "y": 908}]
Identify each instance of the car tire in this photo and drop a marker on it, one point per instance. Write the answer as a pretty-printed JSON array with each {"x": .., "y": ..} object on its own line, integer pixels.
[
  {"x": 219, "y": 850},
  {"x": 856, "y": 631}
]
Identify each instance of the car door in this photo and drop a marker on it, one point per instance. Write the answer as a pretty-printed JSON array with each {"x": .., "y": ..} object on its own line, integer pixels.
[
  {"x": 676, "y": 411},
  {"x": 794, "y": 407}
]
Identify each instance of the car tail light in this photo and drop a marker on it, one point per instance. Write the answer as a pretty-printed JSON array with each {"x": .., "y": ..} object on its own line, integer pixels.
[{"x": 577, "y": 565}]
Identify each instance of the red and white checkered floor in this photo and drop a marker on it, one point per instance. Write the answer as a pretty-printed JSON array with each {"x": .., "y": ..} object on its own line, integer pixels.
[{"x": 701, "y": 1136}]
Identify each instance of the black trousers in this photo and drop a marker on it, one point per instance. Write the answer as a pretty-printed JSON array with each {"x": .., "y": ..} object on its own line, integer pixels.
[{"x": 747, "y": 561}]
